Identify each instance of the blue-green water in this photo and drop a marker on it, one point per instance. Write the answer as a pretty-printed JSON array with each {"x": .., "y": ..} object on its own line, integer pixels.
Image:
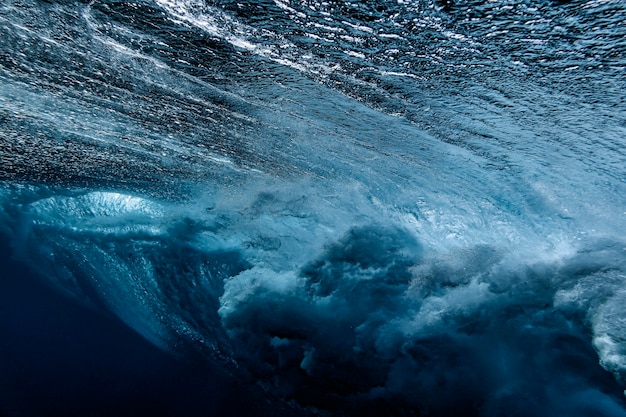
[{"x": 346, "y": 208}]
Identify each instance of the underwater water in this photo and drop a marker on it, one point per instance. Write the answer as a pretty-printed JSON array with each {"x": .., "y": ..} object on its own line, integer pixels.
[{"x": 376, "y": 208}]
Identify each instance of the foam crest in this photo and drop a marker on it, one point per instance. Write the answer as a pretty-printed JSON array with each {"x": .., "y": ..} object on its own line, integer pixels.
[{"x": 379, "y": 319}]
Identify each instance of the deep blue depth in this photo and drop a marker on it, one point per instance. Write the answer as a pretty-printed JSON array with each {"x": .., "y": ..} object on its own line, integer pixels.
[{"x": 59, "y": 358}]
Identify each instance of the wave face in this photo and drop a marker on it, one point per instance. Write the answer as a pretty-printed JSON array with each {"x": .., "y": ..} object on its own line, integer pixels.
[{"x": 362, "y": 208}]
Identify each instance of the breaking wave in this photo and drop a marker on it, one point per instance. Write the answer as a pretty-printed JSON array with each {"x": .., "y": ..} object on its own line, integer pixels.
[{"x": 357, "y": 208}]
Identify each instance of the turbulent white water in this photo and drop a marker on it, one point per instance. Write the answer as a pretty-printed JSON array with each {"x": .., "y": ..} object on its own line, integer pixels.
[{"x": 376, "y": 207}]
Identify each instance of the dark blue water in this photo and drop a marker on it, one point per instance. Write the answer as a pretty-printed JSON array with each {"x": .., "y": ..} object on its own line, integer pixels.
[
  {"x": 60, "y": 358},
  {"x": 384, "y": 208}
]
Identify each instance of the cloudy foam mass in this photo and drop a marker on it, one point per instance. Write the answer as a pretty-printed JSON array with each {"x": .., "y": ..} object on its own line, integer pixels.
[{"x": 371, "y": 322}]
